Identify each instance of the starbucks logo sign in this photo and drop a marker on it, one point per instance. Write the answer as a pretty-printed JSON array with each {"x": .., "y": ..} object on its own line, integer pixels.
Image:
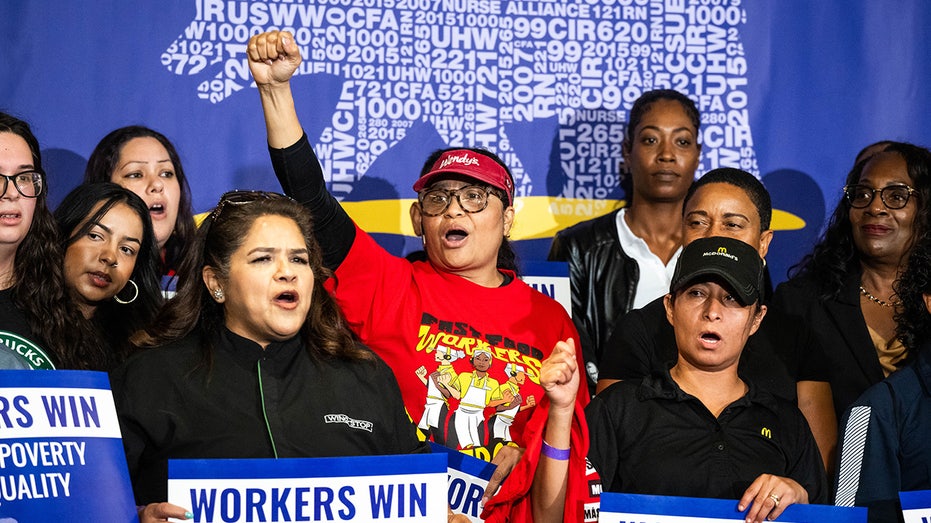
[{"x": 26, "y": 350}]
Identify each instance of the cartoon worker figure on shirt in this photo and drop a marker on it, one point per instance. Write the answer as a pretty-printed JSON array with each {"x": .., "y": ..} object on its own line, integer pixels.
[
  {"x": 507, "y": 401},
  {"x": 473, "y": 390},
  {"x": 437, "y": 406}
]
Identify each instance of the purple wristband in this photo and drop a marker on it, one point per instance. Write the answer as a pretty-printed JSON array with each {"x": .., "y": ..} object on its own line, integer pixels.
[{"x": 554, "y": 453}]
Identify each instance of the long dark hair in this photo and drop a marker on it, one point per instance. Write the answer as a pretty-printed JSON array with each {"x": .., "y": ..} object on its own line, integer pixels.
[
  {"x": 507, "y": 258},
  {"x": 103, "y": 162},
  {"x": 39, "y": 282},
  {"x": 76, "y": 216},
  {"x": 835, "y": 257},
  {"x": 913, "y": 321},
  {"x": 325, "y": 332}
]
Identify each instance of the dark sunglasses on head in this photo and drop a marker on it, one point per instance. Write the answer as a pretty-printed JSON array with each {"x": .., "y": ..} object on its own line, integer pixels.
[{"x": 241, "y": 197}]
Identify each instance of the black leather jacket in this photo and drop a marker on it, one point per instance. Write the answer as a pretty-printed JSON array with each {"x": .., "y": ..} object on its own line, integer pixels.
[{"x": 603, "y": 280}]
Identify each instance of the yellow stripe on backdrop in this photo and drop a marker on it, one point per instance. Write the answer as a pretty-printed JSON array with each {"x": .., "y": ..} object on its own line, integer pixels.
[{"x": 537, "y": 216}]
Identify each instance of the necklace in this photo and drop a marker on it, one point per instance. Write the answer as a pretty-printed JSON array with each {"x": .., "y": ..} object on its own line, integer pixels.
[{"x": 874, "y": 299}]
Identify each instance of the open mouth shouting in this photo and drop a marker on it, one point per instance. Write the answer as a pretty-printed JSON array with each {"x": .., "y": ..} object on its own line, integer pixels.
[
  {"x": 157, "y": 210},
  {"x": 287, "y": 300},
  {"x": 455, "y": 236},
  {"x": 709, "y": 339}
]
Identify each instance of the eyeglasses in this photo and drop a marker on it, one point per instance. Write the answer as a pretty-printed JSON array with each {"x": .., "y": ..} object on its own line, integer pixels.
[
  {"x": 243, "y": 197},
  {"x": 28, "y": 183},
  {"x": 892, "y": 196},
  {"x": 471, "y": 198}
]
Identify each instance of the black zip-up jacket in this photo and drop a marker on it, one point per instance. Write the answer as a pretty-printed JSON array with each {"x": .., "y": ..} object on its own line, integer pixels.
[{"x": 169, "y": 406}]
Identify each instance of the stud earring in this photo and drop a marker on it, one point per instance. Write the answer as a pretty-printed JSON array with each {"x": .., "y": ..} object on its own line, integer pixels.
[{"x": 218, "y": 294}]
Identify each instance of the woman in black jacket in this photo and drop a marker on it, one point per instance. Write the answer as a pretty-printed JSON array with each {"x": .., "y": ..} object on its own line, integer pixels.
[
  {"x": 844, "y": 287},
  {"x": 253, "y": 356}
]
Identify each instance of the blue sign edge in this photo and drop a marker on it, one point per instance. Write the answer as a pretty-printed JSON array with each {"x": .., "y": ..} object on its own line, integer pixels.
[
  {"x": 264, "y": 468},
  {"x": 721, "y": 508},
  {"x": 465, "y": 463},
  {"x": 915, "y": 499},
  {"x": 78, "y": 379}
]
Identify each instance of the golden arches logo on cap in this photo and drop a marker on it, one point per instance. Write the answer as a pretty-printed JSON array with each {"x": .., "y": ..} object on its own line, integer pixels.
[
  {"x": 733, "y": 262},
  {"x": 472, "y": 164}
]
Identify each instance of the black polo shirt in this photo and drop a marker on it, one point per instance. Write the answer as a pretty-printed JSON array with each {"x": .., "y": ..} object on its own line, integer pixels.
[
  {"x": 649, "y": 437},
  {"x": 781, "y": 353}
]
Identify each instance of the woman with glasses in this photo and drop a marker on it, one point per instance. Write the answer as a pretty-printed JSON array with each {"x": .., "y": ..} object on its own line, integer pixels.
[
  {"x": 147, "y": 163},
  {"x": 111, "y": 261},
  {"x": 38, "y": 324},
  {"x": 462, "y": 297},
  {"x": 844, "y": 287},
  {"x": 885, "y": 448},
  {"x": 250, "y": 357}
]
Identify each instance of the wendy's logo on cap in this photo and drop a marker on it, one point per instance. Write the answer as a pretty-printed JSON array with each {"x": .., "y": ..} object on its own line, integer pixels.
[{"x": 462, "y": 159}]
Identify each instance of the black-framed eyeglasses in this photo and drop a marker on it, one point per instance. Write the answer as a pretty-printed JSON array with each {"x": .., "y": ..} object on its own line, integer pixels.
[
  {"x": 471, "y": 198},
  {"x": 241, "y": 197},
  {"x": 28, "y": 183},
  {"x": 892, "y": 196}
]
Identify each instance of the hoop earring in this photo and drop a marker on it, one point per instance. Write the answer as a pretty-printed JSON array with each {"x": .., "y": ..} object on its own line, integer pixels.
[{"x": 116, "y": 297}]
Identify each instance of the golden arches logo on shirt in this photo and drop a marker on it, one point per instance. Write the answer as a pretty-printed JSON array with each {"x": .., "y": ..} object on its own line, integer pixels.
[{"x": 429, "y": 341}]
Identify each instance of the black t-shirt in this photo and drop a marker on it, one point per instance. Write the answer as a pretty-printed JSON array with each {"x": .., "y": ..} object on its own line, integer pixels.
[
  {"x": 781, "y": 353},
  {"x": 649, "y": 437},
  {"x": 170, "y": 406}
]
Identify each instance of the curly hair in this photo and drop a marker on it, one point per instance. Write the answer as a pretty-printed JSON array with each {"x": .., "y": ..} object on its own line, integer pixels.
[
  {"x": 835, "y": 257},
  {"x": 103, "y": 162},
  {"x": 507, "y": 257},
  {"x": 325, "y": 332},
  {"x": 913, "y": 321},
  {"x": 76, "y": 215},
  {"x": 39, "y": 282}
]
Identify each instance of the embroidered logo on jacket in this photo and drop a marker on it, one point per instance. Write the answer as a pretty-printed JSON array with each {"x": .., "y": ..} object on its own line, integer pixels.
[{"x": 353, "y": 423}]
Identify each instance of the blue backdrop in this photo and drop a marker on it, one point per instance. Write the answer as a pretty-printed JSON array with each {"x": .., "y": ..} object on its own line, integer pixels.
[{"x": 790, "y": 90}]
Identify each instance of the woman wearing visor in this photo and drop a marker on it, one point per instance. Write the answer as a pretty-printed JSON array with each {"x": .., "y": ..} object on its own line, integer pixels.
[{"x": 464, "y": 296}]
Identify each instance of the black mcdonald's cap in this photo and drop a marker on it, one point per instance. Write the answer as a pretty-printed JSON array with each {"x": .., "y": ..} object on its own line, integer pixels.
[{"x": 734, "y": 261}]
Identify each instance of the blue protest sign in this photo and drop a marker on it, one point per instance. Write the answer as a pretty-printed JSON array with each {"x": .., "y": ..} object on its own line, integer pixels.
[
  {"x": 550, "y": 278},
  {"x": 468, "y": 478},
  {"x": 916, "y": 506},
  {"x": 60, "y": 448},
  {"x": 408, "y": 488}
]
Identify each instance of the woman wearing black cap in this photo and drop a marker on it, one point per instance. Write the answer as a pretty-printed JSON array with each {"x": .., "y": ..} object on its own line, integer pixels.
[
  {"x": 697, "y": 429},
  {"x": 462, "y": 297}
]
